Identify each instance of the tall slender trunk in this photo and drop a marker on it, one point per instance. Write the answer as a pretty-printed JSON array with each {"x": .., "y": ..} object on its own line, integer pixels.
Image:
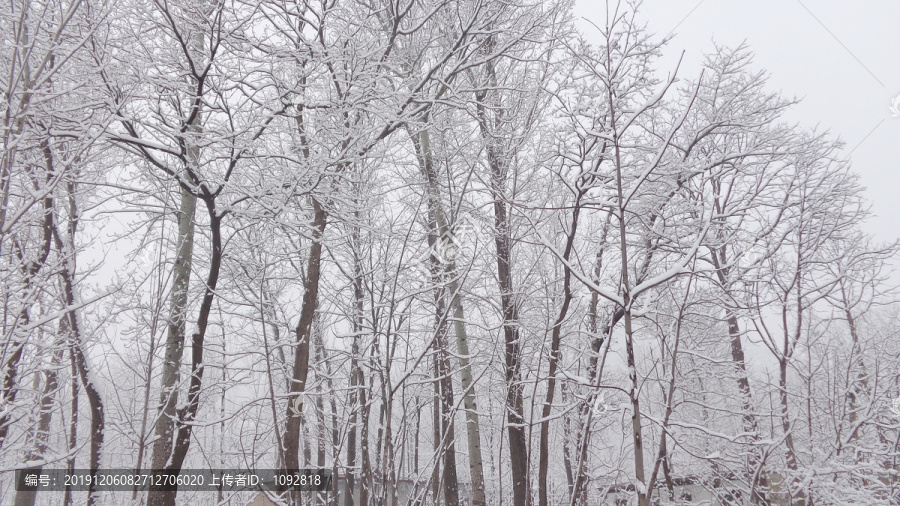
[
  {"x": 73, "y": 427},
  {"x": 473, "y": 426},
  {"x": 595, "y": 372},
  {"x": 785, "y": 355},
  {"x": 300, "y": 370},
  {"x": 185, "y": 416},
  {"x": 786, "y": 425},
  {"x": 518, "y": 449},
  {"x": 303, "y": 331},
  {"x": 166, "y": 422},
  {"x": 365, "y": 471},
  {"x": 668, "y": 394},
  {"x": 45, "y": 416},
  {"x": 637, "y": 436},
  {"x": 859, "y": 383},
  {"x": 515, "y": 410},
  {"x": 267, "y": 307},
  {"x": 555, "y": 339},
  {"x": 567, "y": 445},
  {"x": 324, "y": 359},
  {"x": 445, "y": 432},
  {"x": 387, "y": 457},
  {"x": 321, "y": 423},
  {"x": 356, "y": 374},
  {"x": 447, "y": 447},
  {"x": 164, "y": 430},
  {"x": 171, "y": 367},
  {"x": 422, "y": 145},
  {"x": 151, "y": 354},
  {"x": 169, "y": 432},
  {"x": 787, "y": 352},
  {"x": 436, "y": 437},
  {"x": 30, "y": 269},
  {"x": 350, "y": 484},
  {"x": 66, "y": 249},
  {"x": 758, "y": 479},
  {"x": 598, "y": 338}
]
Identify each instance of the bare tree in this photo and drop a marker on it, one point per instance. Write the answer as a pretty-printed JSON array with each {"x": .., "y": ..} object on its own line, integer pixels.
[{"x": 459, "y": 230}]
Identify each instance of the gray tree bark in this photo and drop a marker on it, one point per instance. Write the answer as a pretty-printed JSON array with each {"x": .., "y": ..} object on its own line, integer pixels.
[{"x": 422, "y": 145}]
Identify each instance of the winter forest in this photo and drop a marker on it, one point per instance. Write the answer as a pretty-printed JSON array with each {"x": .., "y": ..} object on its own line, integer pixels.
[{"x": 453, "y": 252}]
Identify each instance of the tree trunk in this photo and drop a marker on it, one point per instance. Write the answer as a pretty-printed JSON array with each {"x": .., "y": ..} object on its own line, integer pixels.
[
  {"x": 567, "y": 448},
  {"x": 73, "y": 427},
  {"x": 356, "y": 374},
  {"x": 30, "y": 269},
  {"x": 446, "y": 432},
  {"x": 303, "y": 333},
  {"x": 555, "y": 339},
  {"x": 151, "y": 355},
  {"x": 94, "y": 400},
  {"x": 365, "y": 485},
  {"x": 515, "y": 411},
  {"x": 786, "y": 425},
  {"x": 171, "y": 367},
  {"x": 186, "y": 416},
  {"x": 169, "y": 432},
  {"x": 436, "y": 436},
  {"x": 422, "y": 145},
  {"x": 787, "y": 352},
  {"x": 637, "y": 436},
  {"x": 66, "y": 251},
  {"x": 748, "y": 418},
  {"x": 45, "y": 415},
  {"x": 579, "y": 490},
  {"x": 321, "y": 422},
  {"x": 859, "y": 382},
  {"x": 324, "y": 359},
  {"x": 165, "y": 428},
  {"x": 518, "y": 450},
  {"x": 447, "y": 447}
]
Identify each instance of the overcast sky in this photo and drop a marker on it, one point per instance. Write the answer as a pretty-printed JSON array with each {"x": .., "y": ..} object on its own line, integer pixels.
[{"x": 841, "y": 58}]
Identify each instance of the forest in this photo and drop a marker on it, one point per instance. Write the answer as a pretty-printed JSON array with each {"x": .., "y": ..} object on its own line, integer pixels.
[{"x": 452, "y": 252}]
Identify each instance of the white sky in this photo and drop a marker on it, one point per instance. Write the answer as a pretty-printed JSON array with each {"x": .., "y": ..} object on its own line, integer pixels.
[{"x": 841, "y": 58}]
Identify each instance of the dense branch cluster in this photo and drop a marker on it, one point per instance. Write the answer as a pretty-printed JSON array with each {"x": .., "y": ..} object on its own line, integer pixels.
[{"x": 454, "y": 252}]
